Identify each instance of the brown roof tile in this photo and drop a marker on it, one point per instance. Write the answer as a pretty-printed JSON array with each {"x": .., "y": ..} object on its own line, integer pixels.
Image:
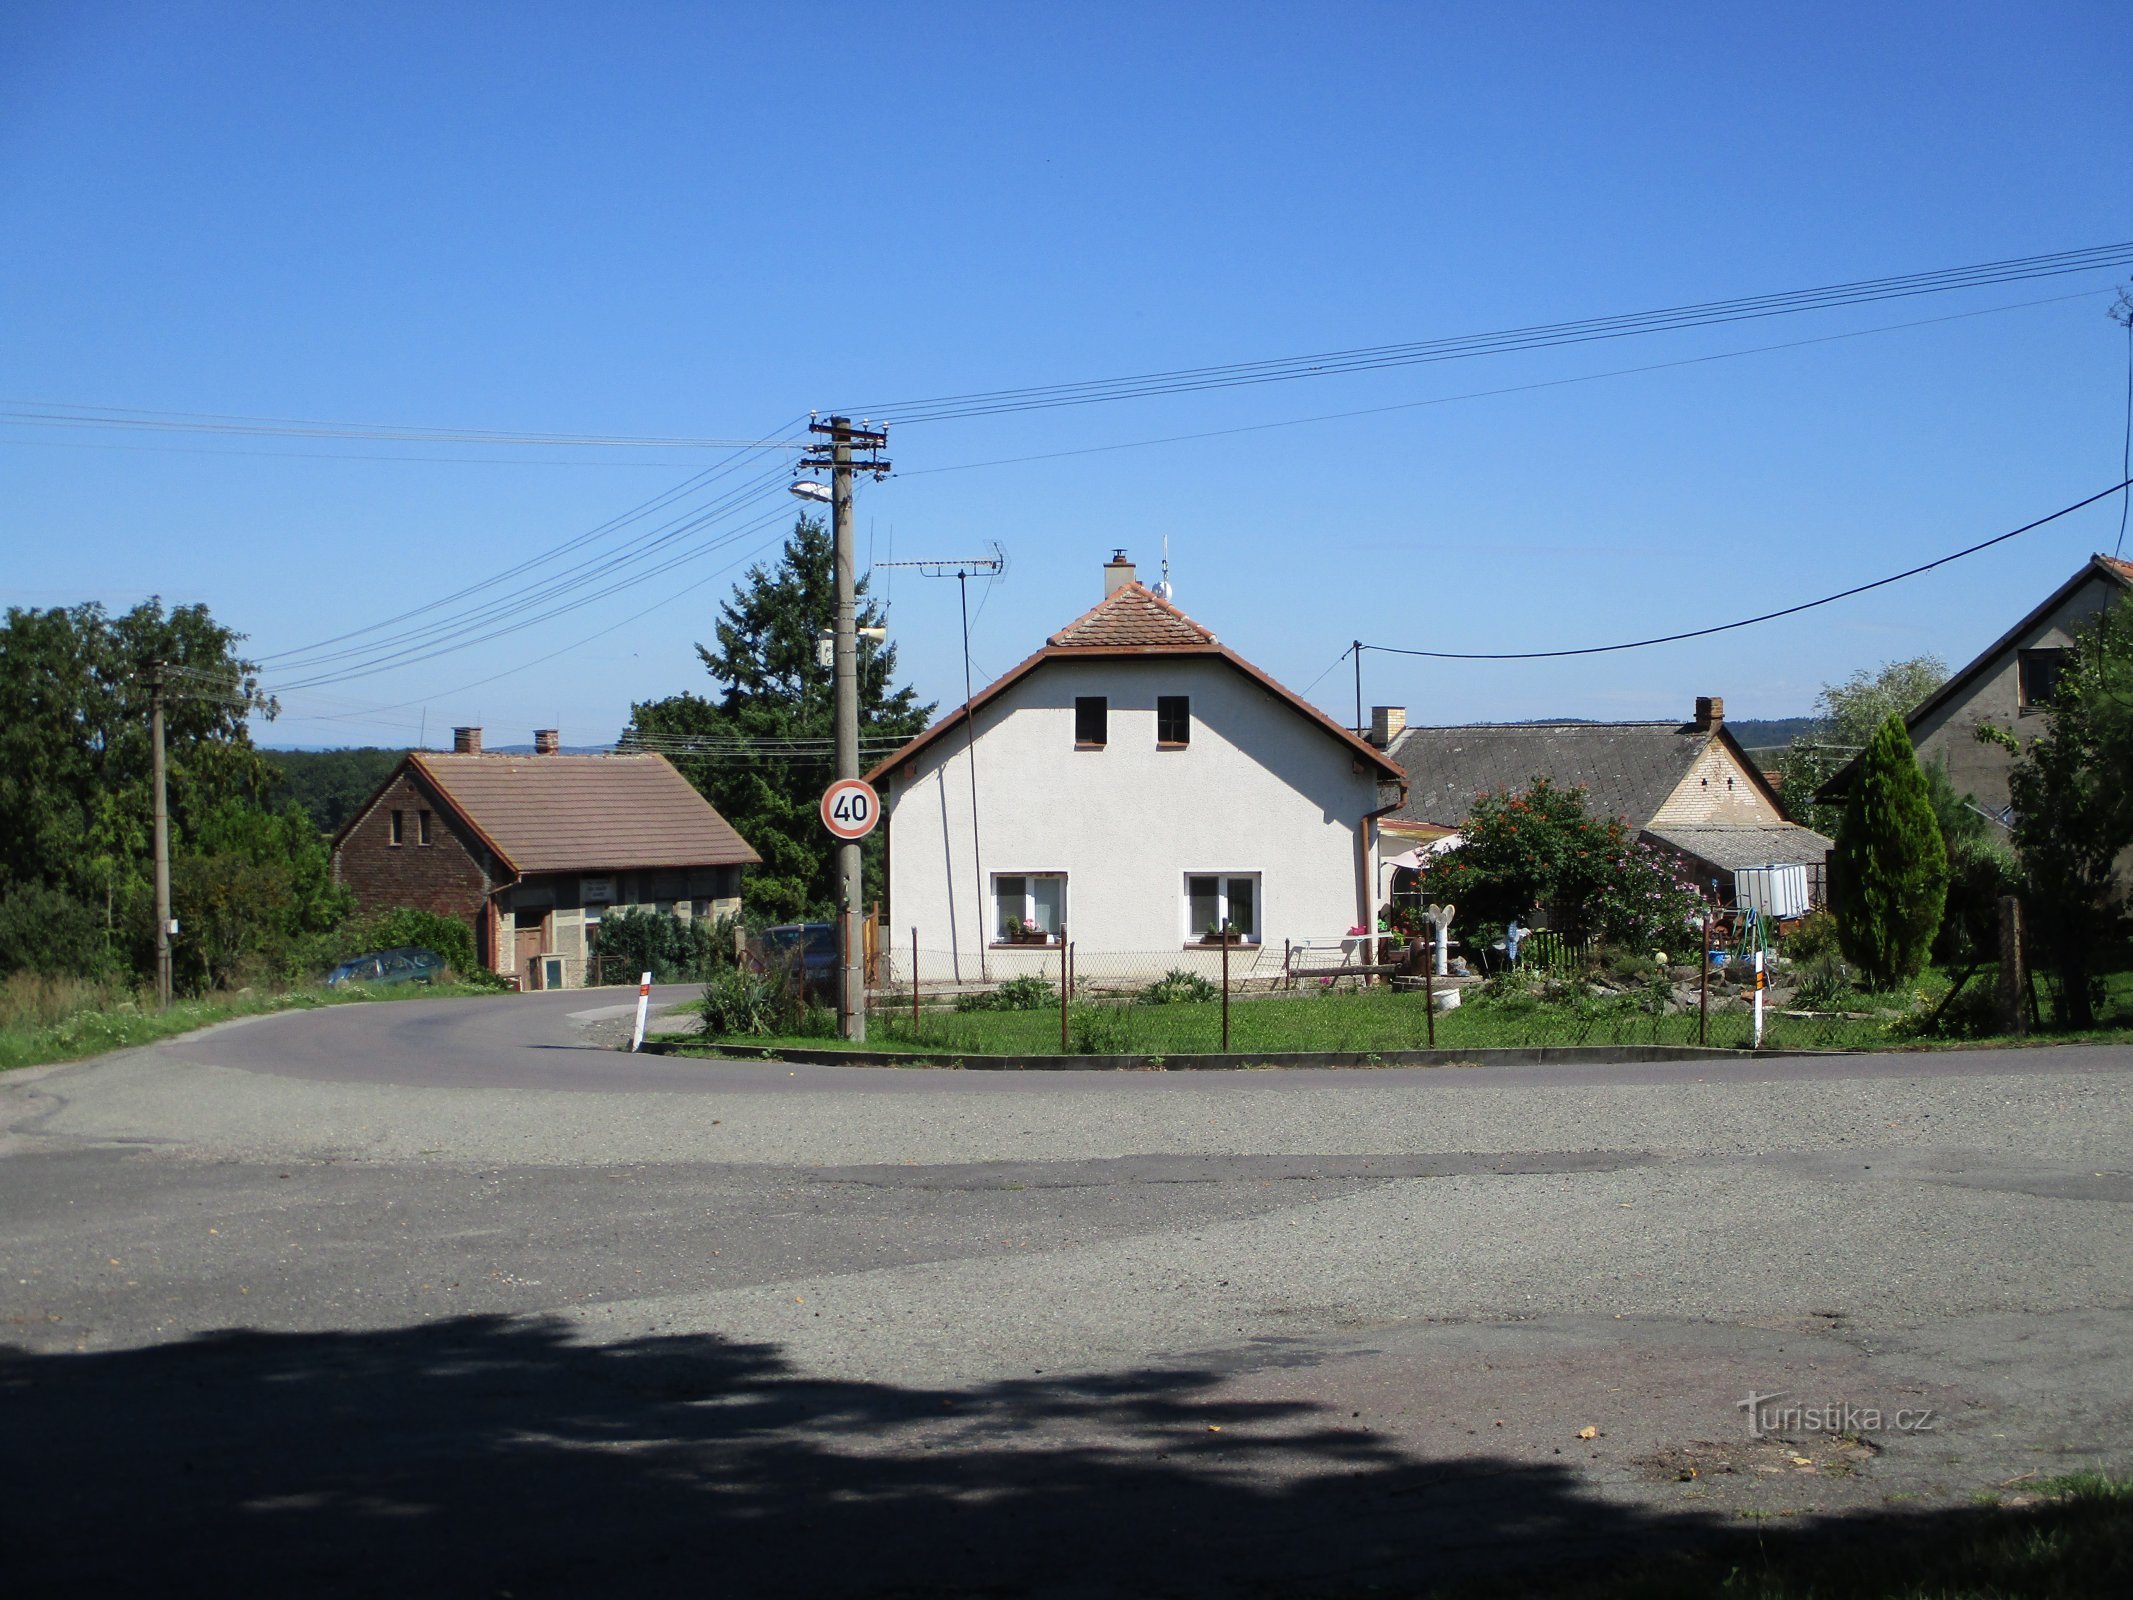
[
  {"x": 1133, "y": 618},
  {"x": 563, "y": 813}
]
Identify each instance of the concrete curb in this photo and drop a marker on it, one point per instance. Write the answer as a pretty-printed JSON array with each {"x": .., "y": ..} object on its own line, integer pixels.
[{"x": 1535, "y": 1055}]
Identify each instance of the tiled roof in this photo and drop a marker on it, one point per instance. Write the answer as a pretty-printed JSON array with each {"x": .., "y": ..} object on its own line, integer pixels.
[
  {"x": 561, "y": 813},
  {"x": 1133, "y": 618},
  {"x": 1627, "y": 769},
  {"x": 2123, "y": 568},
  {"x": 1733, "y": 845},
  {"x": 1132, "y": 621}
]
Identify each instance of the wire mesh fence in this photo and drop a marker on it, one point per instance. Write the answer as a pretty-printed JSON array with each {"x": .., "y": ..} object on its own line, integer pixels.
[{"x": 1352, "y": 994}]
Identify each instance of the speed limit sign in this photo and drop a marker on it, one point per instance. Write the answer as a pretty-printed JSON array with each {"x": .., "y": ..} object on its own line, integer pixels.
[{"x": 850, "y": 808}]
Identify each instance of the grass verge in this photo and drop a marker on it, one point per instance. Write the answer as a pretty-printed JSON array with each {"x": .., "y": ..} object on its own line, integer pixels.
[
  {"x": 2063, "y": 1539},
  {"x": 70, "y": 1022}
]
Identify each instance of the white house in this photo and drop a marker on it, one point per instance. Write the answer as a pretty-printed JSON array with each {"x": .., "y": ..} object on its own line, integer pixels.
[{"x": 1129, "y": 787}]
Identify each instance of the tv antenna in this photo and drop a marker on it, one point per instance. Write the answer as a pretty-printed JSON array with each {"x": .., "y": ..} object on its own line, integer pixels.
[{"x": 963, "y": 569}]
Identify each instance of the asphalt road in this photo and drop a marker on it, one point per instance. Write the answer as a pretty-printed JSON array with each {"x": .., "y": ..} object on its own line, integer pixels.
[{"x": 448, "y": 1297}]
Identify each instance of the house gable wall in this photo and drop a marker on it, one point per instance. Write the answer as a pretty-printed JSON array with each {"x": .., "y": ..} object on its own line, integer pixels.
[
  {"x": 1259, "y": 789},
  {"x": 1948, "y": 732},
  {"x": 445, "y": 876},
  {"x": 1719, "y": 788}
]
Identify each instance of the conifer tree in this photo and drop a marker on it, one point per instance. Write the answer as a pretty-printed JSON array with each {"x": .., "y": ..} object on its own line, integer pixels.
[{"x": 1891, "y": 865}]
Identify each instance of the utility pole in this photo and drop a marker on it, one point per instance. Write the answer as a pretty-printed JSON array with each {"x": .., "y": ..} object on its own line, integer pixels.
[
  {"x": 162, "y": 833},
  {"x": 837, "y": 455}
]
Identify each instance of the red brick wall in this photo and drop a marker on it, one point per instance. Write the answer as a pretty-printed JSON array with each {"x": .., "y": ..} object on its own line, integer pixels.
[{"x": 444, "y": 876}]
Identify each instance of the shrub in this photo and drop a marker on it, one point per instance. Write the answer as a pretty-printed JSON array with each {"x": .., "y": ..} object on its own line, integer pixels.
[
  {"x": 1814, "y": 936},
  {"x": 50, "y": 933},
  {"x": 1026, "y": 993},
  {"x": 1890, "y": 863},
  {"x": 668, "y": 947},
  {"x": 740, "y": 1003},
  {"x": 1099, "y": 1031},
  {"x": 1178, "y": 987},
  {"x": 425, "y": 930}
]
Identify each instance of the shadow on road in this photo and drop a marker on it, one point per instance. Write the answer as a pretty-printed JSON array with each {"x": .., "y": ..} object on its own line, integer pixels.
[{"x": 499, "y": 1456}]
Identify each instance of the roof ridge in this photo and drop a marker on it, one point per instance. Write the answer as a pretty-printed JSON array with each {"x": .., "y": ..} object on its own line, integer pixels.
[{"x": 1136, "y": 595}]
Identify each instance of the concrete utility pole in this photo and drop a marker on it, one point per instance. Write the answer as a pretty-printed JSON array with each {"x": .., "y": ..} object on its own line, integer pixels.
[
  {"x": 162, "y": 833},
  {"x": 837, "y": 455}
]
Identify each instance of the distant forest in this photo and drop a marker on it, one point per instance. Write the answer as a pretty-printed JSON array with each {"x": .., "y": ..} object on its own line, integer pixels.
[
  {"x": 1771, "y": 733},
  {"x": 329, "y": 784}
]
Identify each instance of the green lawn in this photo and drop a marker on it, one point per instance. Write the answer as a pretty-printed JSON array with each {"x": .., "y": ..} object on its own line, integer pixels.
[
  {"x": 47, "y": 1028},
  {"x": 1381, "y": 1020}
]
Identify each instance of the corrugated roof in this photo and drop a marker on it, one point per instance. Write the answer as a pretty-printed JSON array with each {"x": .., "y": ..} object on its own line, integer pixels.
[
  {"x": 1132, "y": 617},
  {"x": 585, "y": 813},
  {"x": 1626, "y": 768},
  {"x": 1734, "y": 845}
]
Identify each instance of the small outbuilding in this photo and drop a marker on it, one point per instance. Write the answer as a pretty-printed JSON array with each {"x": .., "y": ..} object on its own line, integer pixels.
[{"x": 533, "y": 851}]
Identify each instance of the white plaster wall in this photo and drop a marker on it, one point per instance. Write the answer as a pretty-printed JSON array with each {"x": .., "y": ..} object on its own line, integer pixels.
[{"x": 1259, "y": 789}]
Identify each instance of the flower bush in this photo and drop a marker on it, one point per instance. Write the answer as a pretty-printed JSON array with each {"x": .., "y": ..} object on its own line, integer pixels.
[{"x": 1537, "y": 850}]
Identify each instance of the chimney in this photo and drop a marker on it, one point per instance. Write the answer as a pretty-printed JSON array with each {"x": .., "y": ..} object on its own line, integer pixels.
[
  {"x": 1710, "y": 713},
  {"x": 466, "y": 741},
  {"x": 1386, "y": 724},
  {"x": 1118, "y": 572},
  {"x": 546, "y": 741}
]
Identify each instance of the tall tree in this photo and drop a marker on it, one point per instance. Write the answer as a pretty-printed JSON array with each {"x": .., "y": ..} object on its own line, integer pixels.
[
  {"x": 74, "y": 748},
  {"x": 1846, "y": 715},
  {"x": 773, "y": 718},
  {"x": 1890, "y": 864},
  {"x": 2073, "y": 805}
]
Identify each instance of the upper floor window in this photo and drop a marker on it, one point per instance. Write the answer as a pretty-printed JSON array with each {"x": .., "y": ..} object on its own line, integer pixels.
[
  {"x": 422, "y": 827},
  {"x": 2037, "y": 673},
  {"x": 1092, "y": 721},
  {"x": 1173, "y": 719},
  {"x": 399, "y": 833}
]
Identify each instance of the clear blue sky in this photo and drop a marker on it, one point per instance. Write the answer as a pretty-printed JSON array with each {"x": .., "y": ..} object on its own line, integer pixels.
[{"x": 703, "y": 221}]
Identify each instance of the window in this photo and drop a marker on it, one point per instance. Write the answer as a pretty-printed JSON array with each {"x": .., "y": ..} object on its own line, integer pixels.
[
  {"x": 1173, "y": 719},
  {"x": 422, "y": 827},
  {"x": 399, "y": 833},
  {"x": 1222, "y": 902},
  {"x": 1091, "y": 721},
  {"x": 1025, "y": 899},
  {"x": 2038, "y": 673}
]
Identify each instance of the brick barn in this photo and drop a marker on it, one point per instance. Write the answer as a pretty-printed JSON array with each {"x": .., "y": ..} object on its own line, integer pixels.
[{"x": 532, "y": 851}]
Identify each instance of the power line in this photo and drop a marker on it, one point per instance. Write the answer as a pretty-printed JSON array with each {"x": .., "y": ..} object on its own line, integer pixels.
[
  {"x": 61, "y": 413},
  {"x": 1540, "y": 336},
  {"x": 1745, "y": 622},
  {"x": 2122, "y": 311},
  {"x": 1490, "y": 394},
  {"x": 515, "y": 602},
  {"x": 658, "y": 502}
]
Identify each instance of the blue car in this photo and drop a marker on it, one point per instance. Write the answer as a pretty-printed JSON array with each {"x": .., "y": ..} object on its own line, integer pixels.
[
  {"x": 811, "y": 947},
  {"x": 383, "y": 967}
]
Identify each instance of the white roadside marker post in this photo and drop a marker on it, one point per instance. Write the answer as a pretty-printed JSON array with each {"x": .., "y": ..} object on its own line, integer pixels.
[
  {"x": 1759, "y": 999},
  {"x": 644, "y": 1000}
]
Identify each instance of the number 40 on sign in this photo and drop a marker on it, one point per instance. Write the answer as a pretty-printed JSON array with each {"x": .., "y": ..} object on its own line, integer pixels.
[{"x": 850, "y": 808}]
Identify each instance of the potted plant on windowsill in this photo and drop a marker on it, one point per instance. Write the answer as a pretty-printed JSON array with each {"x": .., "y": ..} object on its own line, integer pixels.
[
  {"x": 1222, "y": 933},
  {"x": 1022, "y": 931}
]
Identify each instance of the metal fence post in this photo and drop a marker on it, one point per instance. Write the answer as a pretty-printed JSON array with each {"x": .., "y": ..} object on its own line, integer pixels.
[
  {"x": 1225, "y": 991},
  {"x": 1429, "y": 999},
  {"x": 914, "y": 985},
  {"x": 1066, "y": 989}
]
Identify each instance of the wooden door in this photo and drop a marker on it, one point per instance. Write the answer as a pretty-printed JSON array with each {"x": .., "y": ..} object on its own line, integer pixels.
[{"x": 532, "y": 944}]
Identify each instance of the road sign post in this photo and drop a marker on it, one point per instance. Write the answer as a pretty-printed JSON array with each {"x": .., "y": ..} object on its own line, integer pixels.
[{"x": 850, "y": 809}]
